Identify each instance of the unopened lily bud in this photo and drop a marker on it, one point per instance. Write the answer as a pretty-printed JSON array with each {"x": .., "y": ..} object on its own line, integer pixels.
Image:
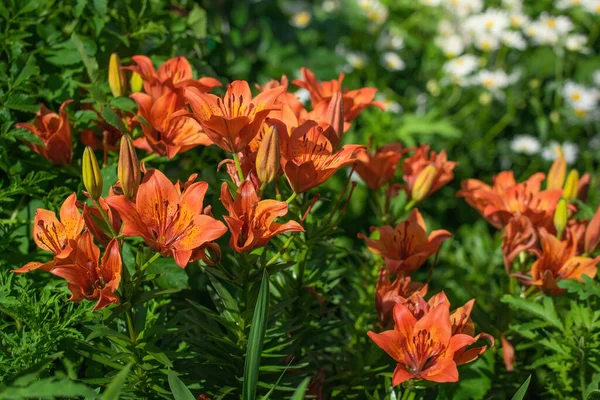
[
  {"x": 92, "y": 178},
  {"x": 116, "y": 76},
  {"x": 571, "y": 185},
  {"x": 268, "y": 156},
  {"x": 128, "y": 168},
  {"x": 558, "y": 172},
  {"x": 423, "y": 183},
  {"x": 136, "y": 82},
  {"x": 560, "y": 217}
]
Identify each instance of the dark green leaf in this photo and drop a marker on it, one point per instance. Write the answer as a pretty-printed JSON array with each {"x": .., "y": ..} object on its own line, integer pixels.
[
  {"x": 178, "y": 388},
  {"x": 520, "y": 394},
  {"x": 255, "y": 340}
]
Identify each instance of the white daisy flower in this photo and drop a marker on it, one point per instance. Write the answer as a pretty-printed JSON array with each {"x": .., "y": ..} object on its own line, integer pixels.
[
  {"x": 592, "y": 6},
  {"x": 576, "y": 42},
  {"x": 569, "y": 150},
  {"x": 451, "y": 46},
  {"x": 514, "y": 39},
  {"x": 565, "y": 4},
  {"x": 303, "y": 95},
  {"x": 301, "y": 19},
  {"x": 581, "y": 99},
  {"x": 459, "y": 68},
  {"x": 494, "y": 80},
  {"x": 392, "y": 61},
  {"x": 525, "y": 144},
  {"x": 356, "y": 60}
]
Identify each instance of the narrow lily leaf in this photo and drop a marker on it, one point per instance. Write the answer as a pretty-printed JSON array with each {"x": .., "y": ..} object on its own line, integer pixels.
[
  {"x": 300, "y": 390},
  {"x": 178, "y": 388},
  {"x": 255, "y": 340},
  {"x": 113, "y": 391},
  {"x": 522, "y": 390}
]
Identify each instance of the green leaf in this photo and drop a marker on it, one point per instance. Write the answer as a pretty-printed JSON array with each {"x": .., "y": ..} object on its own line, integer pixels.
[
  {"x": 300, "y": 390},
  {"x": 586, "y": 289},
  {"x": 522, "y": 390},
  {"x": 113, "y": 390},
  {"x": 28, "y": 70},
  {"x": 197, "y": 22},
  {"x": 91, "y": 65},
  {"x": 113, "y": 118},
  {"x": 109, "y": 178},
  {"x": 171, "y": 276},
  {"x": 124, "y": 103},
  {"x": 178, "y": 388},
  {"x": 545, "y": 312},
  {"x": 255, "y": 340}
]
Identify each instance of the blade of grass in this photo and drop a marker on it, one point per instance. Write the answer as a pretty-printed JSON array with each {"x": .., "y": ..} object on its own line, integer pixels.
[
  {"x": 255, "y": 340},
  {"x": 113, "y": 391},
  {"x": 178, "y": 388},
  {"x": 522, "y": 390},
  {"x": 300, "y": 390}
]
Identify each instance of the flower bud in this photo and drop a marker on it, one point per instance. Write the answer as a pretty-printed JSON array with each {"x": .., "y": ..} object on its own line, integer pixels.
[
  {"x": 423, "y": 183},
  {"x": 92, "y": 178},
  {"x": 558, "y": 171},
  {"x": 560, "y": 217},
  {"x": 128, "y": 168},
  {"x": 116, "y": 76},
  {"x": 136, "y": 82},
  {"x": 571, "y": 185},
  {"x": 268, "y": 156}
]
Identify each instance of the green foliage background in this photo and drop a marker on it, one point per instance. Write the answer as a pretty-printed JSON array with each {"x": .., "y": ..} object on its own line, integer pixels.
[{"x": 51, "y": 348}]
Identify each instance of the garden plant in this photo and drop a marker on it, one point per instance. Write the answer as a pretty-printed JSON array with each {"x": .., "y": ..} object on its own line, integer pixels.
[{"x": 338, "y": 199}]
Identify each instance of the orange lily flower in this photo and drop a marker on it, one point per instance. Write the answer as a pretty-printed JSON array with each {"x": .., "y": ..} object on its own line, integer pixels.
[
  {"x": 423, "y": 348},
  {"x": 558, "y": 260},
  {"x": 308, "y": 158},
  {"x": 388, "y": 294},
  {"x": 415, "y": 164},
  {"x": 54, "y": 132},
  {"x": 406, "y": 247},
  {"x": 463, "y": 324},
  {"x": 505, "y": 198},
  {"x": 378, "y": 168},
  {"x": 53, "y": 235},
  {"x": 169, "y": 219},
  {"x": 172, "y": 76},
  {"x": 89, "y": 279},
  {"x": 252, "y": 221},
  {"x": 233, "y": 121},
  {"x": 355, "y": 101},
  {"x": 287, "y": 98},
  {"x": 165, "y": 135},
  {"x": 519, "y": 236}
]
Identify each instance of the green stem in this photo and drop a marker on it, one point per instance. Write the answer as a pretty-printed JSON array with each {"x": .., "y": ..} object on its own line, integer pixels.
[
  {"x": 105, "y": 218},
  {"x": 408, "y": 394},
  {"x": 150, "y": 157},
  {"x": 281, "y": 250},
  {"x": 409, "y": 206},
  {"x": 150, "y": 261},
  {"x": 582, "y": 373},
  {"x": 291, "y": 198},
  {"x": 238, "y": 166}
]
